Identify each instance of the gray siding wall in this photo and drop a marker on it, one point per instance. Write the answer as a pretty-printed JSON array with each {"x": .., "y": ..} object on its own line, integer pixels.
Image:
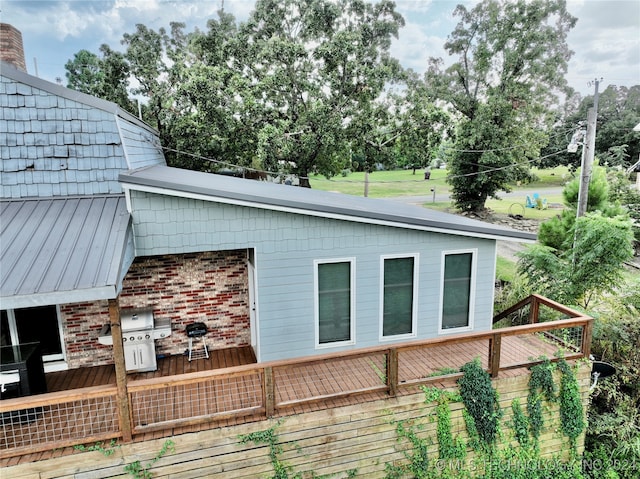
[
  {"x": 54, "y": 146},
  {"x": 142, "y": 148},
  {"x": 286, "y": 246}
]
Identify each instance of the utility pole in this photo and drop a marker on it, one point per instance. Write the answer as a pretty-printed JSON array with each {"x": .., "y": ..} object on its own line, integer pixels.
[{"x": 588, "y": 153}]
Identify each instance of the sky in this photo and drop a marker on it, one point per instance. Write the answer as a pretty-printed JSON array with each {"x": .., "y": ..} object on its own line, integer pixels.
[{"x": 606, "y": 39}]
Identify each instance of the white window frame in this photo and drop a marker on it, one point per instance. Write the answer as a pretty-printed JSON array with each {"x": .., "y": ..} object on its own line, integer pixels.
[
  {"x": 52, "y": 362},
  {"x": 472, "y": 291},
  {"x": 352, "y": 302},
  {"x": 414, "y": 306}
]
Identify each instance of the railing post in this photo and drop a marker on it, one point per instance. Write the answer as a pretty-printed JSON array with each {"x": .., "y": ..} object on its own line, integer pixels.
[
  {"x": 124, "y": 404},
  {"x": 587, "y": 335},
  {"x": 534, "y": 310},
  {"x": 494, "y": 354},
  {"x": 268, "y": 389},
  {"x": 392, "y": 371}
]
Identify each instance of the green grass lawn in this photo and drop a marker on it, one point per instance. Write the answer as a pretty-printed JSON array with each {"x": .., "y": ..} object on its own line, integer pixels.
[
  {"x": 505, "y": 269},
  {"x": 384, "y": 184},
  {"x": 516, "y": 206},
  {"x": 557, "y": 176}
]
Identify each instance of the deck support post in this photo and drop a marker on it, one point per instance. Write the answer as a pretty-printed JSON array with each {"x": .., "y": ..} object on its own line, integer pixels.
[
  {"x": 124, "y": 408},
  {"x": 587, "y": 336},
  {"x": 392, "y": 371},
  {"x": 268, "y": 389},
  {"x": 534, "y": 310},
  {"x": 494, "y": 354}
]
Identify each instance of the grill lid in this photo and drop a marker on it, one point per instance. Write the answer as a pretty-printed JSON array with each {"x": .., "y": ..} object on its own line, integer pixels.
[
  {"x": 196, "y": 329},
  {"x": 136, "y": 319}
]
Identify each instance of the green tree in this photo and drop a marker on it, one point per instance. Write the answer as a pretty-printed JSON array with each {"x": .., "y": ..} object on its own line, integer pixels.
[
  {"x": 512, "y": 58},
  {"x": 401, "y": 129},
  {"x": 212, "y": 115},
  {"x": 594, "y": 265},
  {"x": 616, "y": 142},
  {"x": 106, "y": 77},
  {"x": 558, "y": 232},
  {"x": 155, "y": 61},
  {"x": 314, "y": 67},
  {"x": 84, "y": 73},
  {"x": 618, "y": 113}
]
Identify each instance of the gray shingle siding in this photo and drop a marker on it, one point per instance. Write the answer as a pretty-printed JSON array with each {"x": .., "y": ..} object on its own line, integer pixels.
[
  {"x": 286, "y": 245},
  {"x": 141, "y": 147},
  {"x": 53, "y": 137}
]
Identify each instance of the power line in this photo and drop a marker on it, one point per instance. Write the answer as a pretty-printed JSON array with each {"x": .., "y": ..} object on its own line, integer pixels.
[
  {"x": 506, "y": 166},
  {"x": 506, "y": 148},
  {"x": 256, "y": 170}
]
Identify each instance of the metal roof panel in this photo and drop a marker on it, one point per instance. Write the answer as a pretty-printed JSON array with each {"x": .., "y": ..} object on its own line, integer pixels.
[{"x": 64, "y": 249}]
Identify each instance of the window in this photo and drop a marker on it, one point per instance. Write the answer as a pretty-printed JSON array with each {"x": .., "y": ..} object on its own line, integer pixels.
[
  {"x": 458, "y": 283},
  {"x": 27, "y": 325},
  {"x": 399, "y": 283},
  {"x": 334, "y": 301}
]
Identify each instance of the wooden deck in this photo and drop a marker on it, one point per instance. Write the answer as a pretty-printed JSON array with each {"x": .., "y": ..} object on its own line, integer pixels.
[
  {"x": 168, "y": 366},
  {"x": 86, "y": 405},
  {"x": 322, "y": 378}
]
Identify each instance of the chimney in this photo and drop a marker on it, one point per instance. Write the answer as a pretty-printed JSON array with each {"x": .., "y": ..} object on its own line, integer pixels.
[{"x": 11, "y": 50}]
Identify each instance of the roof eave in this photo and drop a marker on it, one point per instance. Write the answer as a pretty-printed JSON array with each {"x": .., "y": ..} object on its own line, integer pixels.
[
  {"x": 161, "y": 187},
  {"x": 59, "y": 297}
]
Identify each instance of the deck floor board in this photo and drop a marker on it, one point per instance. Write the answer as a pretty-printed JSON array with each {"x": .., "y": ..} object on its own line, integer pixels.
[{"x": 294, "y": 382}]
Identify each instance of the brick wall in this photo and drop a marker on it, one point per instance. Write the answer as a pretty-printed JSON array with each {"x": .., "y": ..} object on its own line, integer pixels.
[
  {"x": 81, "y": 323},
  {"x": 211, "y": 287},
  {"x": 11, "y": 49}
]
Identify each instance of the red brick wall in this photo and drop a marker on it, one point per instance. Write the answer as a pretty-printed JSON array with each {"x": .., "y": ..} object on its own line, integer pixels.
[
  {"x": 211, "y": 287},
  {"x": 11, "y": 50},
  {"x": 81, "y": 323}
]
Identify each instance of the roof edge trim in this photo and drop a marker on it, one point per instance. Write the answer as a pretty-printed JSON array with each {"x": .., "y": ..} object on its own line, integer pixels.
[{"x": 519, "y": 237}]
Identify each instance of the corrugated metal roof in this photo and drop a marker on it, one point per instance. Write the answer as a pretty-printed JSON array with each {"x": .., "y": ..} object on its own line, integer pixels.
[
  {"x": 259, "y": 194},
  {"x": 63, "y": 250}
]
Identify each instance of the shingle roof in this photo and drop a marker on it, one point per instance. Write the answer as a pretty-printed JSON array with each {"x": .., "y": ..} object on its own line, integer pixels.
[
  {"x": 9, "y": 71},
  {"x": 63, "y": 250},
  {"x": 258, "y": 194}
]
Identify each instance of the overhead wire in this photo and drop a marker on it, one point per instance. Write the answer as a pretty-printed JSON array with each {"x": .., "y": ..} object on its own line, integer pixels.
[{"x": 280, "y": 173}]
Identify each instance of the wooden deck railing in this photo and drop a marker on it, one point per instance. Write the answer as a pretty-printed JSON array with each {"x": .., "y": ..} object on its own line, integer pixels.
[{"x": 268, "y": 389}]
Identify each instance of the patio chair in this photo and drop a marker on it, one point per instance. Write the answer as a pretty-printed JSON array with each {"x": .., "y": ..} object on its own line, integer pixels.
[
  {"x": 540, "y": 203},
  {"x": 530, "y": 203}
]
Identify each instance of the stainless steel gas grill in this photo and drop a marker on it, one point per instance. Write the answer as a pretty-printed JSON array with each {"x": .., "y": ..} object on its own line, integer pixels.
[{"x": 139, "y": 332}]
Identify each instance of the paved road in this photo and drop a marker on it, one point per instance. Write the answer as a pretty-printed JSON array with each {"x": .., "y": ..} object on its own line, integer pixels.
[{"x": 506, "y": 249}]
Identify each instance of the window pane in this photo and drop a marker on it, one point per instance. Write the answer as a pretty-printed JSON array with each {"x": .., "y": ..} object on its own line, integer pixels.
[
  {"x": 457, "y": 290},
  {"x": 5, "y": 335},
  {"x": 334, "y": 302},
  {"x": 398, "y": 296},
  {"x": 39, "y": 324}
]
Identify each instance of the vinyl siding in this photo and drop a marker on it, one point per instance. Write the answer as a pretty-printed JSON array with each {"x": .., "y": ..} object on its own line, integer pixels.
[{"x": 286, "y": 245}]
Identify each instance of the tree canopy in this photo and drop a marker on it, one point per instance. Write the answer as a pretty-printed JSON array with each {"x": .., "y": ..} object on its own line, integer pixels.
[
  {"x": 310, "y": 86},
  {"x": 512, "y": 58},
  {"x": 106, "y": 77},
  {"x": 302, "y": 85}
]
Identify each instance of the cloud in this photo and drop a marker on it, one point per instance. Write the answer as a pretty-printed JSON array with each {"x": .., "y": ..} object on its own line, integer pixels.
[
  {"x": 415, "y": 46},
  {"x": 606, "y": 43}
]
